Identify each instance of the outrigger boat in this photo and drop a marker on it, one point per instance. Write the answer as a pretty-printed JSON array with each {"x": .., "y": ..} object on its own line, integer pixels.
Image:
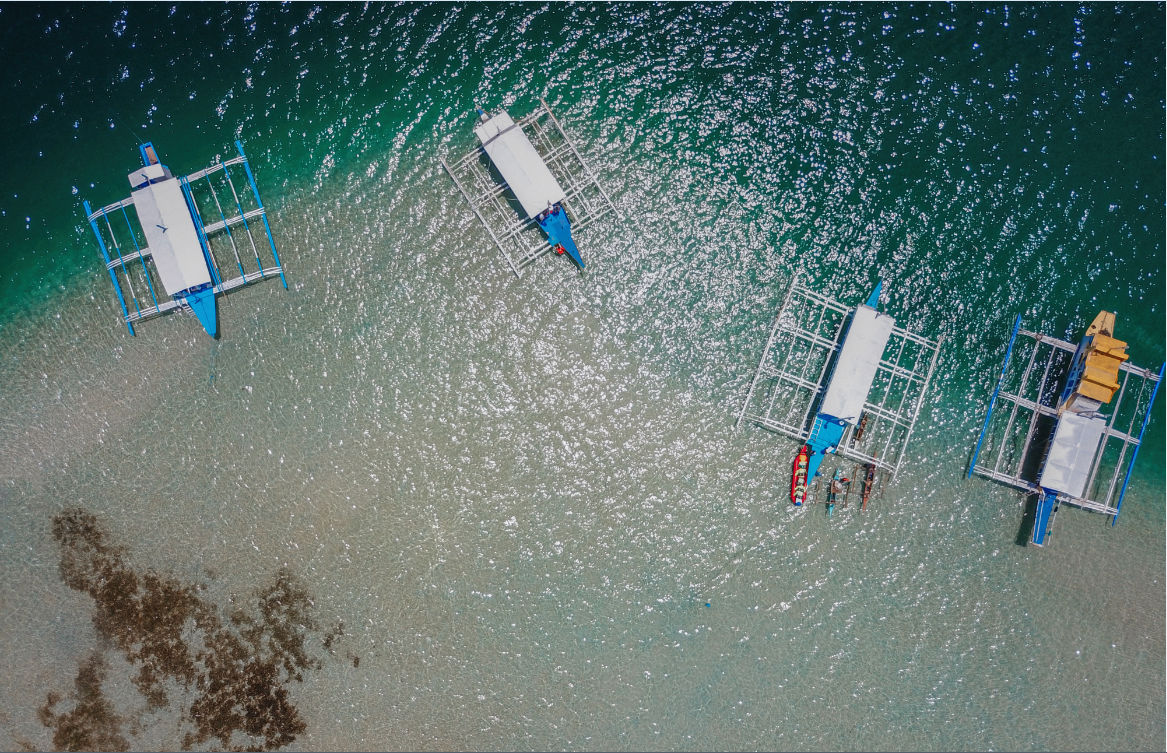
[
  {"x": 178, "y": 244},
  {"x": 867, "y": 402},
  {"x": 1072, "y": 469},
  {"x": 798, "y": 479},
  {"x": 526, "y": 174},
  {"x": 854, "y": 372},
  {"x": 535, "y": 159}
]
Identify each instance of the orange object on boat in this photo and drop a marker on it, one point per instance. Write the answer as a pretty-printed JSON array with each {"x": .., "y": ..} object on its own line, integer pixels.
[{"x": 798, "y": 479}]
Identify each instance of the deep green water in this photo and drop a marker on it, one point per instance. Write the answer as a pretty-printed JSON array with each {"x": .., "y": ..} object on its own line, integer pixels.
[{"x": 519, "y": 495}]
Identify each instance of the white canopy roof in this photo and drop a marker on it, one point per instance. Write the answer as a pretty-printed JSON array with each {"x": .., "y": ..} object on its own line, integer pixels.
[
  {"x": 858, "y": 360},
  {"x": 1071, "y": 454},
  {"x": 519, "y": 164},
  {"x": 171, "y": 235}
]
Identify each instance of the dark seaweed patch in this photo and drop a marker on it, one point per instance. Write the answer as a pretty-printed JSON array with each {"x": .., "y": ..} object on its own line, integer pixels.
[
  {"x": 92, "y": 724},
  {"x": 238, "y": 669}
]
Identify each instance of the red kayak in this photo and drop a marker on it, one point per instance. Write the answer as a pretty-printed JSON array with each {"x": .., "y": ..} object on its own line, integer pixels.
[{"x": 798, "y": 480}]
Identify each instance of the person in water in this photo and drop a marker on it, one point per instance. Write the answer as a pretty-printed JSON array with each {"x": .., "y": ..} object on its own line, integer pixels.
[{"x": 836, "y": 487}]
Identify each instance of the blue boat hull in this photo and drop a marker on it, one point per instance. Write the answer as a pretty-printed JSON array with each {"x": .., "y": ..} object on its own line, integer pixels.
[
  {"x": 558, "y": 228},
  {"x": 202, "y": 303},
  {"x": 1047, "y": 505}
]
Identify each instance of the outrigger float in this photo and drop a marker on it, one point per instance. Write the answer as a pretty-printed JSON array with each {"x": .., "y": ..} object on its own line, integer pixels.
[
  {"x": 168, "y": 232},
  {"x": 535, "y": 159},
  {"x": 1079, "y": 463},
  {"x": 856, "y": 367}
]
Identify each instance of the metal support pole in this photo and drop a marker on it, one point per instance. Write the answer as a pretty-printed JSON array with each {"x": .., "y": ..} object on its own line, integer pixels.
[
  {"x": 1107, "y": 434},
  {"x": 122, "y": 262},
  {"x": 234, "y": 248},
  {"x": 1016, "y": 405},
  {"x": 208, "y": 257},
  {"x": 919, "y": 404},
  {"x": 579, "y": 157},
  {"x": 243, "y": 219},
  {"x": 474, "y": 207}
]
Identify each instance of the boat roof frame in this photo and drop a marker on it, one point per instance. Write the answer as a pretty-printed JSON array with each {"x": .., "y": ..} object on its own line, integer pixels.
[
  {"x": 804, "y": 378},
  {"x": 494, "y": 203}
]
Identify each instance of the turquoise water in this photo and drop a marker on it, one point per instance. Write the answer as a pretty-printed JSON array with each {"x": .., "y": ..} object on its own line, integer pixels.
[{"x": 503, "y": 504}]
